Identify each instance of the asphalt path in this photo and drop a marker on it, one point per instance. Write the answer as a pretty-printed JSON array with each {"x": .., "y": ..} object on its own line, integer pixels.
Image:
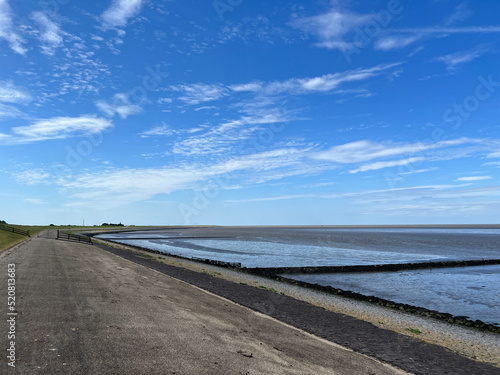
[{"x": 84, "y": 310}]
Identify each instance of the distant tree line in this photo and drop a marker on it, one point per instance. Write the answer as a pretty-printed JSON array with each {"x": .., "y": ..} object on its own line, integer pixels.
[
  {"x": 3, "y": 222},
  {"x": 112, "y": 225}
]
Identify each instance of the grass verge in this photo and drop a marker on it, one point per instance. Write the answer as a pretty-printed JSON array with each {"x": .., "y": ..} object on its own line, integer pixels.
[{"x": 8, "y": 239}]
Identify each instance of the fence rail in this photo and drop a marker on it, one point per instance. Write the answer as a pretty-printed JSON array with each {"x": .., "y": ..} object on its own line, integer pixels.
[
  {"x": 73, "y": 237},
  {"x": 8, "y": 228}
]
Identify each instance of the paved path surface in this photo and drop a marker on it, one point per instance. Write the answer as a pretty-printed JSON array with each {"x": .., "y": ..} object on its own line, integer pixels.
[{"x": 82, "y": 310}]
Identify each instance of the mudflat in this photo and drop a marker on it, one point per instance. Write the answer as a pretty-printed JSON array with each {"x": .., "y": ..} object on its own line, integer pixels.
[{"x": 83, "y": 310}]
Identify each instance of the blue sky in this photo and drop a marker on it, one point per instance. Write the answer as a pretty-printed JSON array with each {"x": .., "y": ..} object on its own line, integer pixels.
[{"x": 237, "y": 112}]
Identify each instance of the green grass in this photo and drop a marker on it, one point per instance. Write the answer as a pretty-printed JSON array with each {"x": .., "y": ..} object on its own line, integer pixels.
[
  {"x": 8, "y": 239},
  {"x": 414, "y": 330}
]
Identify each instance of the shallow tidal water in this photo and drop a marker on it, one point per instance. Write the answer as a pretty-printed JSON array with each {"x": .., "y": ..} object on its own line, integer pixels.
[{"x": 465, "y": 291}]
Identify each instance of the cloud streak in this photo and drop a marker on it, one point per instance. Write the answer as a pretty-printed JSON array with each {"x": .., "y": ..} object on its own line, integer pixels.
[
  {"x": 119, "y": 105},
  {"x": 7, "y": 30},
  {"x": 116, "y": 187},
  {"x": 56, "y": 128},
  {"x": 9, "y": 93},
  {"x": 50, "y": 33},
  {"x": 195, "y": 94},
  {"x": 120, "y": 11},
  {"x": 453, "y": 60},
  {"x": 386, "y": 164},
  {"x": 331, "y": 28}
]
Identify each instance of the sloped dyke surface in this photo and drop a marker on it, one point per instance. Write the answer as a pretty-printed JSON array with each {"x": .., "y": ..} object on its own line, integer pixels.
[{"x": 388, "y": 346}]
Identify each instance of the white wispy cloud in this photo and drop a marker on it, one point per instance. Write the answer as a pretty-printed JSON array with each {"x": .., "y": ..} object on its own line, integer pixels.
[
  {"x": 119, "y": 105},
  {"x": 205, "y": 107},
  {"x": 114, "y": 187},
  {"x": 460, "y": 13},
  {"x": 402, "y": 37},
  {"x": 386, "y": 164},
  {"x": 454, "y": 59},
  {"x": 164, "y": 100},
  {"x": 159, "y": 130},
  {"x": 327, "y": 82},
  {"x": 330, "y": 82},
  {"x": 9, "y": 93},
  {"x": 366, "y": 150},
  {"x": 32, "y": 177},
  {"x": 495, "y": 154},
  {"x": 387, "y": 43},
  {"x": 430, "y": 201},
  {"x": 56, "y": 128},
  {"x": 8, "y": 111},
  {"x": 474, "y": 178},
  {"x": 50, "y": 33},
  {"x": 251, "y": 86},
  {"x": 227, "y": 135},
  {"x": 77, "y": 73},
  {"x": 332, "y": 28},
  {"x": 7, "y": 29},
  {"x": 418, "y": 171},
  {"x": 118, "y": 14},
  {"x": 392, "y": 39},
  {"x": 381, "y": 196},
  {"x": 197, "y": 93},
  {"x": 117, "y": 187},
  {"x": 167, "y": 130},
  {"x": 451, "y": 30}
]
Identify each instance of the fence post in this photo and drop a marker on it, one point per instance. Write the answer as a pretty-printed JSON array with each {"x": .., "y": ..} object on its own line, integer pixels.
[
  {"x": 57, "y": 234},
  {"x": 29, "y": 233}
]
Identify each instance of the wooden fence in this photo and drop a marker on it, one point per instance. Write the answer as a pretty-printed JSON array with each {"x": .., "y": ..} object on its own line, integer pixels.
[
  {"x": 8, "y": 228},
  {"x": 73, "y": 237}
]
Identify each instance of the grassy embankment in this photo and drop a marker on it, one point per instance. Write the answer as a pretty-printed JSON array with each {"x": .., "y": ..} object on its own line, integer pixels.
[{"x": 8, "y": 239}]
